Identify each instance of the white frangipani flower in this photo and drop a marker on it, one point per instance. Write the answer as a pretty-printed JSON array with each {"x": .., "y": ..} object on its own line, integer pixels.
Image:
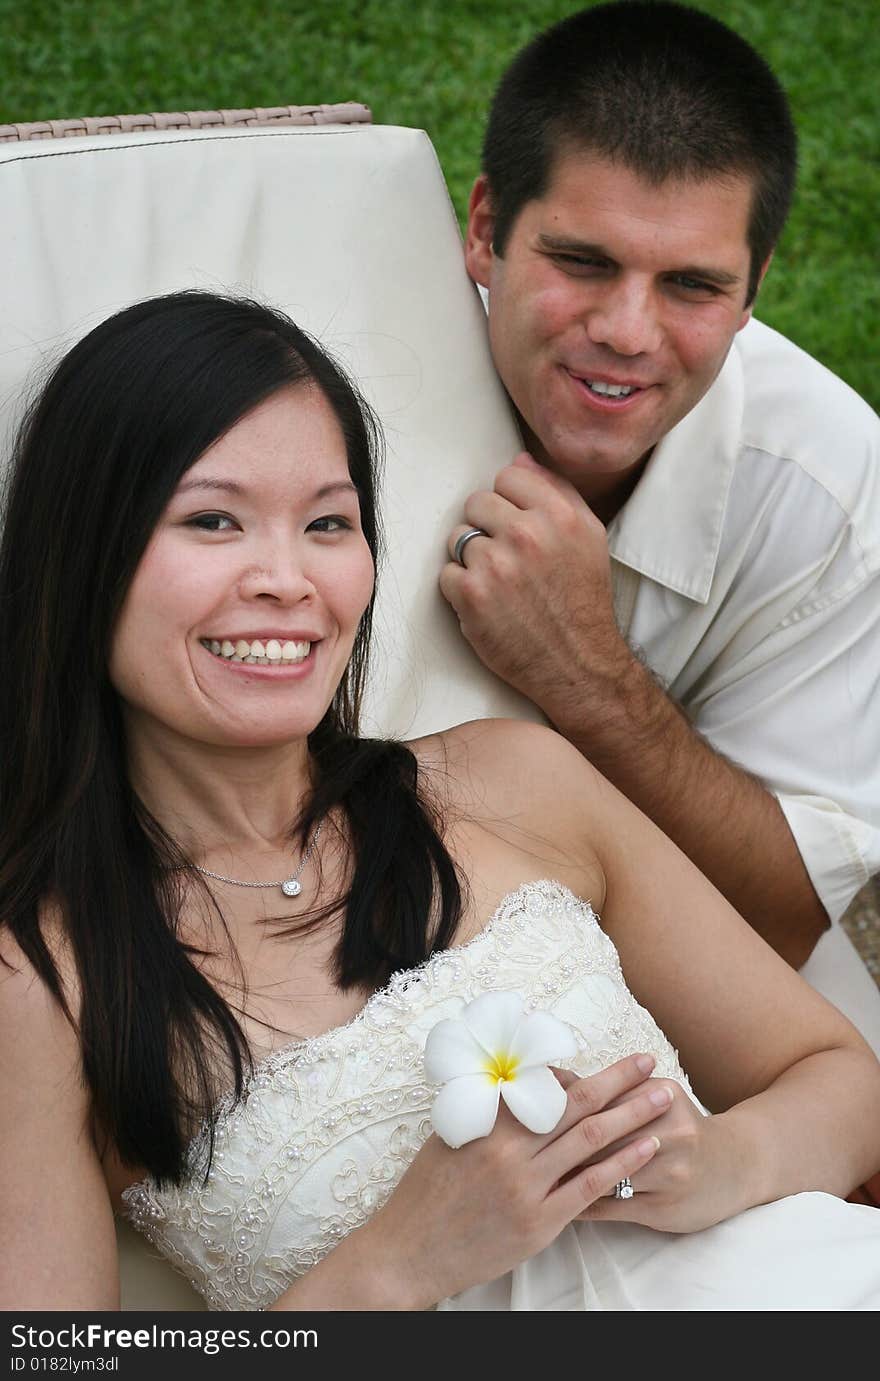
[{"x": 495, "y": 1048}]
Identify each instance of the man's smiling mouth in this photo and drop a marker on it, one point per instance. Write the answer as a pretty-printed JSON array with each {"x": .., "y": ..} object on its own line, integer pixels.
[
  {"x": 609, "y": 390},
  {"x": 610, "y": 393}
]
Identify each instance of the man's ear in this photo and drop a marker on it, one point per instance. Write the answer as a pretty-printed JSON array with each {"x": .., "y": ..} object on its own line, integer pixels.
[
  {"x": 747, "y": 313},
  {"x": 480, "y": 232}
]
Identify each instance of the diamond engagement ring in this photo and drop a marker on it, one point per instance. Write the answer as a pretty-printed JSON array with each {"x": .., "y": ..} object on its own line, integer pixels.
[
  {"x": 624, "y": 1188},
  {"x": 462, "y": 541}
]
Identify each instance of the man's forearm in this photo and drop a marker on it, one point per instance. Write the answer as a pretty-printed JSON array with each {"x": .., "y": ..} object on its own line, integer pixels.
[{"x": 722, "y": 818}]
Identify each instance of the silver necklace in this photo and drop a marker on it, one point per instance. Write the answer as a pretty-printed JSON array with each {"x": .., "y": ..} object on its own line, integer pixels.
[{"x": 291, "y": 887}]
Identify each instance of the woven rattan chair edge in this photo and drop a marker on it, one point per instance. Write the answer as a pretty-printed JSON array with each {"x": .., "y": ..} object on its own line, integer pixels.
[{"x": 342, "y": 113}]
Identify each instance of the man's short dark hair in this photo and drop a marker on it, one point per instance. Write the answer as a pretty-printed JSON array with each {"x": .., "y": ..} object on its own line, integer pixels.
[{"x": 665, "y": 90}]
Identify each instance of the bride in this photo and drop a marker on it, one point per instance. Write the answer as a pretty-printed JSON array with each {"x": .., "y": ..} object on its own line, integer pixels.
[{"x": 230, "y": 924}]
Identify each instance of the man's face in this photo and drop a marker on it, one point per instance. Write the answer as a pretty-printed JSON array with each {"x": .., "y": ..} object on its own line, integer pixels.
[{"x": 608, "y": 284}]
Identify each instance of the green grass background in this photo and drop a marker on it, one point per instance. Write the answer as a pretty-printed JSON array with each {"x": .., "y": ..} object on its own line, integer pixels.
[{"x": 434, "y": 65}]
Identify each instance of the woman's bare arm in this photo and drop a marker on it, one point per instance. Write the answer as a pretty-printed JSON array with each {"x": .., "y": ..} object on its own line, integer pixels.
[
  {"x": 801, "y": 1086},
  {"x": 57, "y": 1240}
]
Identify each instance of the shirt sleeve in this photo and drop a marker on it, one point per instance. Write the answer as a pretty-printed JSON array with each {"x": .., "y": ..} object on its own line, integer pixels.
[{"x": 800, "y": 709}]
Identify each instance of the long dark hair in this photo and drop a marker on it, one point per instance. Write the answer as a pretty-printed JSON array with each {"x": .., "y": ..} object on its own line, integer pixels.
[{"x": 128, "y": 410}]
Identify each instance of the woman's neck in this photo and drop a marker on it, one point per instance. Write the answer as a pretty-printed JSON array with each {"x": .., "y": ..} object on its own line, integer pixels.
[{"x": 213, "y": 800}]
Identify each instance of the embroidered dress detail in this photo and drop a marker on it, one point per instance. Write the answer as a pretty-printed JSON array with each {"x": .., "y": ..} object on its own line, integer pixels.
[{"x": 329, "y": 1125}]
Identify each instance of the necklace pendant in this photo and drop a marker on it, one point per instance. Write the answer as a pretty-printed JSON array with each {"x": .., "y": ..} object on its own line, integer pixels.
[{"x": 291, "y": 888}]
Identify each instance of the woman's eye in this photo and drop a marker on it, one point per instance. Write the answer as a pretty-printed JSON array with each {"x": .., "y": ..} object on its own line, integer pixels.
[
  {"x": 211, "y": 522},
  {"x": 331, "y": 522}
]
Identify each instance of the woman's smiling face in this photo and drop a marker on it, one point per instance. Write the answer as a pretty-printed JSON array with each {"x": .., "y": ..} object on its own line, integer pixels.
[{"x": 260, "y": 543}]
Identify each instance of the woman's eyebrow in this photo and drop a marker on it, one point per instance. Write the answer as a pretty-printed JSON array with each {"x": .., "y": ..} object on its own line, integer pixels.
[
  {"x": 229, "y": 486},
  {"x": 233, "y": 487},
  {"x": 339, "y": 486}
]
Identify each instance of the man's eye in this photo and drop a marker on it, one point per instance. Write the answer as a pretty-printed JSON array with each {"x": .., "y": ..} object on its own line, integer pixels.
[
  {"x": 579, "y": 262},
  {"x": 331, "y": 522},
  {"x": 211, "y": 522},
  {"x": 694, "y": 285}
]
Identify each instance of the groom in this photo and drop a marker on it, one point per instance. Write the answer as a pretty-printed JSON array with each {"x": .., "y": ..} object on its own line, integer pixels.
[{"x": 685, "y": 577}]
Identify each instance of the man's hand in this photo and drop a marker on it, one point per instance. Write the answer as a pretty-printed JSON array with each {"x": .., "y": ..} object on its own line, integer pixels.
[
  {"x": 534, "y": 599},
  {"x": 535, "y": 603}
]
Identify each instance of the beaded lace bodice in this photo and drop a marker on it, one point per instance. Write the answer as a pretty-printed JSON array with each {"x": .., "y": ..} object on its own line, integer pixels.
[{"x": 329, "y": 1125}]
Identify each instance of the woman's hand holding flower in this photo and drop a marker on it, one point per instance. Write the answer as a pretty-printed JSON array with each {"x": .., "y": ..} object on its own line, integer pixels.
[{"x": 462, "y": 1217}]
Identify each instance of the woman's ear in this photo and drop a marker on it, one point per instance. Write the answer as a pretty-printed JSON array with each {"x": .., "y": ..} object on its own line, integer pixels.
[{"x": 480, "y": 233}]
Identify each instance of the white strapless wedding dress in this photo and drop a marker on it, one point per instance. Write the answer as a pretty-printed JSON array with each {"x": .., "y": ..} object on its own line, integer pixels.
[{"x": 330, "y": 1124}]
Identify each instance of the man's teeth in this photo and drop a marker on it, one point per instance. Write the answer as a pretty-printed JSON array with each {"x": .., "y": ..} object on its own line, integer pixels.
[
  {"x": 257, "y": 653},
  {"x": 610, "y": 390}
]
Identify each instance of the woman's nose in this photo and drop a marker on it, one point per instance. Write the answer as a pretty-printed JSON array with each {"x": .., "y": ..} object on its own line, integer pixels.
[
  {"x": 625, "y": 320},
  {"x": 280, "y": 577}
]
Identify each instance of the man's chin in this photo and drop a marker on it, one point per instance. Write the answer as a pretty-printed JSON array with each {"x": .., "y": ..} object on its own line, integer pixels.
[
  {"x": 601, "y": 464},
  {"x": 601, "y": 476}
]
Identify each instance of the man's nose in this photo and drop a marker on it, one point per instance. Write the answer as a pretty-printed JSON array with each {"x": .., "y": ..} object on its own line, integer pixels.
[{"x": 626, "y": 319}]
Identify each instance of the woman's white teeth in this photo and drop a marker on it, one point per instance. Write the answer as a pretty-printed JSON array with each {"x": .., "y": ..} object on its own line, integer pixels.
[
  {"x": 610, "y": 390},
  {"x": 257, "y": 653}
]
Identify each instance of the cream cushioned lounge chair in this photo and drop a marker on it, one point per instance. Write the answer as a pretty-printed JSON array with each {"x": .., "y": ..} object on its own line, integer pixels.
[{"x": 348, "y": 228}]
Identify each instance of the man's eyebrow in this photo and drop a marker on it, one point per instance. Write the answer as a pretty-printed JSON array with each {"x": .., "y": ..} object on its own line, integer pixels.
[
  {"x": 722, "y": 277},
  {"x": 568, "y": 245},
  {"x": 233, "y": 487},
  {"x": 563, "y": 244}
]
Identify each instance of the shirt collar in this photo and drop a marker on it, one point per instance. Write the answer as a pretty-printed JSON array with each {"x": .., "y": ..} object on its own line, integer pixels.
[{"x": 670, "y": 527}]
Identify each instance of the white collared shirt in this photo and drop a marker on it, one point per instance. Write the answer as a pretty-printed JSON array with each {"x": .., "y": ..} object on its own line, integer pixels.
[{"x": 746, "y": 566}]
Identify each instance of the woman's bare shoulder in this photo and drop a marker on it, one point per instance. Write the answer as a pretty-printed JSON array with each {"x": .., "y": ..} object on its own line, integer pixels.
[
  {"x": 511, "y": 757},
  {"x": 520, "y": 776}
]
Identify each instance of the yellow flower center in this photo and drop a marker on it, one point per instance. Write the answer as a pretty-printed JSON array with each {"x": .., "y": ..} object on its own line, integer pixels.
[{"x": 502, "y": 1067}]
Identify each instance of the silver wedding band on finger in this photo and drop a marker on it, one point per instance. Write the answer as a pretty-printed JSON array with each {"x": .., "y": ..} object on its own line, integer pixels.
[
  {"x": 624, "y": 1188},
  {"x": 462, "y": 541}
]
